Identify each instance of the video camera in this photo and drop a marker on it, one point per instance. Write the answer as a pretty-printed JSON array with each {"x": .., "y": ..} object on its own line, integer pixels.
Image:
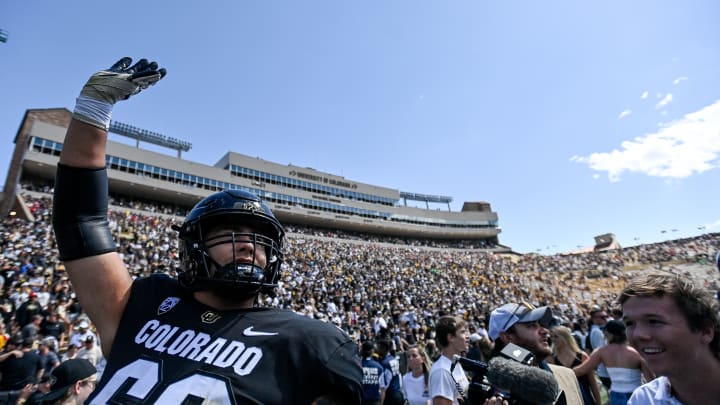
[{"x": 513, "y": 370}]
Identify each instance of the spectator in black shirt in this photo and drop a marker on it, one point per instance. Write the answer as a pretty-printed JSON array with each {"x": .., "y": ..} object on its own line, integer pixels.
[
  {"x": 27, "y": 310},
  {"x": 53, "y": 326},
  {"x": 19, "y": 366},
  {"x": 32, "y": 394},
  {"x": 62, "y": 289}
]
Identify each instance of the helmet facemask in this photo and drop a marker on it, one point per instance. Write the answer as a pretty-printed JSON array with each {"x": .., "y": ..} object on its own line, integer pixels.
[
  {"x": 243, "y": 274},
  {"x": 233, "y": 272}
]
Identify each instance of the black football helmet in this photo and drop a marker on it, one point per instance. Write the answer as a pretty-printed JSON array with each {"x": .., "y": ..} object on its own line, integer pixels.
[{"x": 230, "y": 209}]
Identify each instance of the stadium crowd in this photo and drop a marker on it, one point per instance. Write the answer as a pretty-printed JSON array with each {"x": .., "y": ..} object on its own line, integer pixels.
[{"x": 368, "y": 285}]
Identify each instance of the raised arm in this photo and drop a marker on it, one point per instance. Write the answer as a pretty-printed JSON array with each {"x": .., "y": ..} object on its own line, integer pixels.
[
  {"x": 80, "y": 205},
  {"x": 594, "y": 387},
  {"x": 17, "y": 353},
  {"x": 590, "y": 364}
]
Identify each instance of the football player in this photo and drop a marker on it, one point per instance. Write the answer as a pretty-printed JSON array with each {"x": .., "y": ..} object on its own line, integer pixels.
[{"x": 200, "y": 337}]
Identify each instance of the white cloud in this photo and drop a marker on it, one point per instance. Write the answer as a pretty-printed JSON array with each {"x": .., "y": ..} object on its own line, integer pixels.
[
  {"x": 665, "y": 101},
  {"x": 677, "y": 150},
  {"x": 644, "y": 95},
  {"x": 679, "y": 79},
  {"x": 624, "y": 114},
  {"x": 713, "y": 225}
]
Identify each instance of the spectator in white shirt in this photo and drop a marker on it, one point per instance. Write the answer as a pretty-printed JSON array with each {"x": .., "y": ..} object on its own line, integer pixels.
[{"x": 674, "y": 324}]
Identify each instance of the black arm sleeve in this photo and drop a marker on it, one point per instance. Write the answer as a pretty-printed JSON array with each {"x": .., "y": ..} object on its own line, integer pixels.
[{"x": 80, "y": 209}]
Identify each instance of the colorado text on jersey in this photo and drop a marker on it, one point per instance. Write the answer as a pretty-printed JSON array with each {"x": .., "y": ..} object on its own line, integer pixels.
[{"x": 198, "y": 346}]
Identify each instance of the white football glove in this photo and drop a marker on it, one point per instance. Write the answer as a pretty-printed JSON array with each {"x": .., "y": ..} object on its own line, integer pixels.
[
  {"x": 107, "y": 87},
  {"x": 121, "y": 80}
]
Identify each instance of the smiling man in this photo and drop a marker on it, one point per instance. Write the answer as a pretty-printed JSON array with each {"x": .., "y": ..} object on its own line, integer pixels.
[{"x": 674, "y": 324}]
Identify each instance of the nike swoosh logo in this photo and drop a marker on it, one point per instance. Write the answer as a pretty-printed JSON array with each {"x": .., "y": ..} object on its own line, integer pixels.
[{"x": 250, "y": 332}]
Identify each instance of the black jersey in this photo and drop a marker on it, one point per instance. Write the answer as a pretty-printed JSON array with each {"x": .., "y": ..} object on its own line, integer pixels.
[{"x": 171, "y": 349}]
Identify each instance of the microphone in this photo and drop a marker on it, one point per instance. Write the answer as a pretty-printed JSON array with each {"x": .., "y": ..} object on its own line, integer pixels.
[{"x": 532, "y": 384}]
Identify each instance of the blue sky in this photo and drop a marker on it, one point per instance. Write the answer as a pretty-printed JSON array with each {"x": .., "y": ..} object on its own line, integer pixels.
[{"x": 571, "y": 118}]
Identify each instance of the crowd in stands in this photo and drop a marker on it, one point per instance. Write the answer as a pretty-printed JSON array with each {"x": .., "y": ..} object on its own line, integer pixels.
[
  {"x": 357, "y": 236},
  {"x": 367, "y": 285}
]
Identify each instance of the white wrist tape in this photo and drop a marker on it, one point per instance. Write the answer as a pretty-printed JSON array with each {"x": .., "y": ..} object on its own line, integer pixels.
[{"x": 92, "y": 111}]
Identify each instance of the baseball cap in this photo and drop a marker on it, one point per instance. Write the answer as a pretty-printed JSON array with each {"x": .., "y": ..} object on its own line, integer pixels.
[
  {"x": 83, "y": 325},
  {"x": 615, "y": 327},
  {"x": 67, "y": 374},
  {"x": 503, "y": 318},
  {"x": 49, "y": 342}
]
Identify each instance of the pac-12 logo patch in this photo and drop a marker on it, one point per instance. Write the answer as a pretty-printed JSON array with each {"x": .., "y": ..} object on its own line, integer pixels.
[
  {"x": 209, "y": 317},
  {"x": 167, "y": 304}
]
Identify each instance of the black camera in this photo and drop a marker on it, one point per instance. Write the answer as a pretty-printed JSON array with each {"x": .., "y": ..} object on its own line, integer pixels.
[{"x": 481, "y": 388}]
